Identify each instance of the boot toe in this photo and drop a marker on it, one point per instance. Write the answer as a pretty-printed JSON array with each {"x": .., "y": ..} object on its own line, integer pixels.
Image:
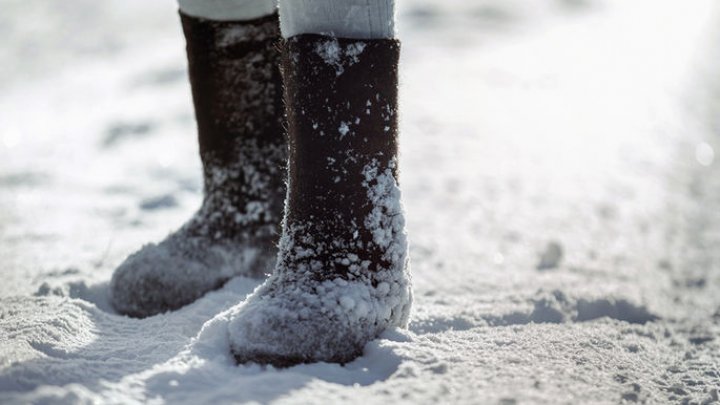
[
  {"x": 293, "y": 328},
  {"x": 158, "y": 279}
]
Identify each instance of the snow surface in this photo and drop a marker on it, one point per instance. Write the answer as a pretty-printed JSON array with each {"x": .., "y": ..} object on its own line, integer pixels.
[{"x": 591, "y": 124}]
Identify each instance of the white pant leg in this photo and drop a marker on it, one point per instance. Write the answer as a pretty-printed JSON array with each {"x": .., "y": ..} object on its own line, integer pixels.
[
  {"x": 361, "y": 19},
  {"x": 228, "y": 10}
]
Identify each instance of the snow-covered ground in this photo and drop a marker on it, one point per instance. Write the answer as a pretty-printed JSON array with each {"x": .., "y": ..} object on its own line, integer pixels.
[{"x": 560, "y": 180}]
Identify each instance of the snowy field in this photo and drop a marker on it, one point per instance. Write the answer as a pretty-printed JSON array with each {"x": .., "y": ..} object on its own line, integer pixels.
[{"x": 559, "y": 176}]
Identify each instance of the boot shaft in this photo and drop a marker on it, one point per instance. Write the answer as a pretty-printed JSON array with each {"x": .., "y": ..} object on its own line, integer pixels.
[
  {"x": 341, "y": 97},
  {"x": 236, "y": 83},
  {"x": 237, "y": 93}
]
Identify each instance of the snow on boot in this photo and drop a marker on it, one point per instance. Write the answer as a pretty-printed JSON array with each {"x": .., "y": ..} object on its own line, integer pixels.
[
  {"x": 342, "y": 276},
  {"x": 237, "y": 92}
]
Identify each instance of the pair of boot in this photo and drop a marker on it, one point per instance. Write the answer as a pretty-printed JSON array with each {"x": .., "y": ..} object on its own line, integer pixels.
[{"x": 341, "y": 267}]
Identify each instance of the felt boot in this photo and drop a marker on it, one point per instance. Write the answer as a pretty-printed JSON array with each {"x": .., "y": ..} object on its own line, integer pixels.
[
  {"x": 342, "y": 276},
  {"x": 237, "y": 93}
]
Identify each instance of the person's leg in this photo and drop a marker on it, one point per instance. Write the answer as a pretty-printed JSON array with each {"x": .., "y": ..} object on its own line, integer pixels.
[
  {"x": 361, "y": 19},
  {"x": 228, "y": 10},
  {"x": 237, "y": 92},
  {"x": 342, "y": 276}
]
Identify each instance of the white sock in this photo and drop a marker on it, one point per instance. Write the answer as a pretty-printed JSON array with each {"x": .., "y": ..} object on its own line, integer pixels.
[
  {"x": 228, "y": 10},
  {"x": 361, "y": 19}
]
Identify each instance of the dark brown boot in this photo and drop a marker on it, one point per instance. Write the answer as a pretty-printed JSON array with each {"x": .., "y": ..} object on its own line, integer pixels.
[
  {"x": 237, "y": 92},
  {"x": 342, "y": 275}
]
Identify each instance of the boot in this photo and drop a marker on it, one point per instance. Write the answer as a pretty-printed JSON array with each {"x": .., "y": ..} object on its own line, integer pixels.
[
  {"x": 342, "y": 275},
  {"x": 237, "y": 92}
]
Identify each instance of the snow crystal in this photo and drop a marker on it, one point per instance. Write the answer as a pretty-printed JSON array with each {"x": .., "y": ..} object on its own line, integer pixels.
[
  {"x": 330, "y": 51},
  {"x": 338, "y": 56},
  {"x": 347, "y": 303},
  {"x": 343, "y": 129},
  {"x": 234, "y": 34}
]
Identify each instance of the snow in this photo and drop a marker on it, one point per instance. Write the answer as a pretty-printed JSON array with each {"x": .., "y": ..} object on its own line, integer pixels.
[
  {"x": 344, "y": 129},
  {"x": 589, "y": 124},
  {"x": 704, "y": 154},
  {"x": 551, "y": 257},
  {"x": 339, "y": 57}
]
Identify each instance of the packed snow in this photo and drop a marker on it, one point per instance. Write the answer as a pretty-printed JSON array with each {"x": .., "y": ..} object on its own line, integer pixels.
[{"x": 559, "y": 173}]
